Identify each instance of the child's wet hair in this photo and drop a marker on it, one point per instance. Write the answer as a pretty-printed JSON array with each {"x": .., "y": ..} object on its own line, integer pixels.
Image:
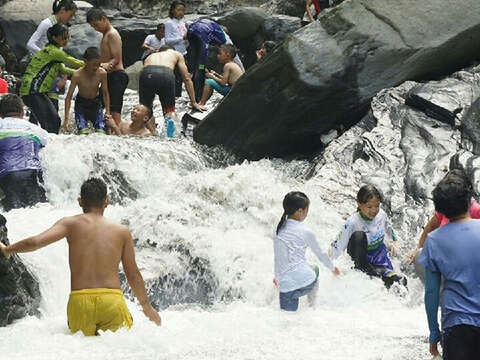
[
  {"x": 161, "y": 26},
  {"x": 10, "y": 104},
  {"x": 57, "y": 30},
  {"x": 95, "y": 14},
  {"x": 269, "y": 46},
  {"x": 91, "y": 53},
  {"x": 173, "y": 5},
  {"x": 453, "y": 194},
  {"x": 65, "y": 4},
  {"x": 293, "y": 201},
  {"x": 93, "y": 193},
  {"x": 368, "y": 192},
  {"x": 229, "y": 49}
]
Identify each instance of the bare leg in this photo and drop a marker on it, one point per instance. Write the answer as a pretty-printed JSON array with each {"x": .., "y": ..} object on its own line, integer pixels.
[{"x": 207, "y": 92}]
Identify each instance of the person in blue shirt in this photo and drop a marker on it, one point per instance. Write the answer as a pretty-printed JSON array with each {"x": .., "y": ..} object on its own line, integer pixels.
[
  {"x": 452, "y": 252},
  {"x": 293, "y": 276},
  {"x": 20, "y": 168}
]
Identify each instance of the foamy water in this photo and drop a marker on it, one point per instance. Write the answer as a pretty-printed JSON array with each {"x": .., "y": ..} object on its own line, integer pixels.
[{"x": 224, "y": 213}]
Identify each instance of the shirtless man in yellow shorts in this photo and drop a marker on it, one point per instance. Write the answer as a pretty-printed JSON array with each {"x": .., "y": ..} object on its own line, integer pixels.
[{"x": 96, "y": 247}]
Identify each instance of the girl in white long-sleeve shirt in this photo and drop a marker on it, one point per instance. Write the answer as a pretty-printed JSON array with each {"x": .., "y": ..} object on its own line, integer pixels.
[
  {"x": 63, "y": 11},
  {"x": 293, "y": 276}
]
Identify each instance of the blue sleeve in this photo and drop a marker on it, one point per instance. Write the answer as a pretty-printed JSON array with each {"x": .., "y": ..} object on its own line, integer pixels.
[{"x": 432, "y": 293}]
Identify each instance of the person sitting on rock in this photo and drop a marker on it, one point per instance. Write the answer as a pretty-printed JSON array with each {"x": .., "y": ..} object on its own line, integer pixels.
[
  {"x": 203, "y": 34},
  {"x": 312, "y": 9},
  {"x": 154, "y": 42},
  {"x": 40, "y": 75},
  {"x": 266, "y": 48},
  {"x": 141, "y": 122},
  {"x": 96, "y": 248},
  {"x": 20, "y": 168},
  {"x": 157, "y": 78},
  {"x": 363, "y": 236},
  {"x": 222, "y": 83},
  {"x": 88, "y": 105},
  {"x": 3, "y": 82}
]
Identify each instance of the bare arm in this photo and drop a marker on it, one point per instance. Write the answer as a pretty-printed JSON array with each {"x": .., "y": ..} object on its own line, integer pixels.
[
  {"x": 105, "y": 93},
  {"x": 431, "y": 225},
  {"x": 182, "y": 68},
  {"x": 112, "y": 124},
  {"x": 68, "y": 101},
  {"x": 135, "y": 279},
  {"x": 58, "y": 231},
  {"x": 308, "y": 3},
  {"x": 222, "y": 79}
]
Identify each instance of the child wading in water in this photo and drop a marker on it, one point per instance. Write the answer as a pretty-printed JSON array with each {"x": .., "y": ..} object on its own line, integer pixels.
[
  {"x": 88, "y": 106},
  {"x": 222, "y": 83},
  {"x": 363, "y": 236},
  {"x": 293, "y": 276}
]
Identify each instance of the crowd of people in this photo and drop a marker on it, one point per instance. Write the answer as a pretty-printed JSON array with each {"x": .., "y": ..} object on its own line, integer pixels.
[{"x": 446, "y": 257}]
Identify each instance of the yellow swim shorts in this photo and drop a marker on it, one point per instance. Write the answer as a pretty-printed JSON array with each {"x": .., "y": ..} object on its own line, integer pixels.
[{"x": 91, "y": 310}]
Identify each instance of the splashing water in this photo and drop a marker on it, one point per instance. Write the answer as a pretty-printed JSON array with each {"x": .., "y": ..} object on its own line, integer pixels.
[{"x": 203, "y": 226}]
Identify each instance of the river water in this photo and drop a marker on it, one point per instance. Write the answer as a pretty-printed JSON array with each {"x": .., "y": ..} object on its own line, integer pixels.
[{"x": 203, "y": 225}]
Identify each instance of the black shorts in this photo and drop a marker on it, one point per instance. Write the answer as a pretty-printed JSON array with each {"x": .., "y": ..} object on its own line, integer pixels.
[
  {"x": 43, "y": 112},
  {"x": 157, "y": 80},
  {"x": 461, "y": 342},
  {"x": 117, "y": 83}
]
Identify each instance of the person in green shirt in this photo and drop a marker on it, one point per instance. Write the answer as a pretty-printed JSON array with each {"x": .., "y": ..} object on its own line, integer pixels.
[{"x": 40, "y": 76}]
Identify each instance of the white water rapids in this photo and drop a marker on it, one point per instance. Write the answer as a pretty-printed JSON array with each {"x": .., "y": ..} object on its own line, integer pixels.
[{"x": 176, "y": 195}]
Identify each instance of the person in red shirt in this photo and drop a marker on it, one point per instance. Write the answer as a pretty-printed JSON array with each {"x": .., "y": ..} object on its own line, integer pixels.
[
  {"x": 438, "y": 220},
  {"x": 3, "y": 83}
]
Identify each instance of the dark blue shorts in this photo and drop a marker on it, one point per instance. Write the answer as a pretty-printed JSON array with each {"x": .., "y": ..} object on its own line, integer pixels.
[
  {"x": 289, "y": 300},
  {"x": 89, "y": 110}
]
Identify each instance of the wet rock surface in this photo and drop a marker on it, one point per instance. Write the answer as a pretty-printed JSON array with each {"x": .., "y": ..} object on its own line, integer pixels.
[
  {"x": 324, "y": 75},
  {"x": 19, "y": 289}
]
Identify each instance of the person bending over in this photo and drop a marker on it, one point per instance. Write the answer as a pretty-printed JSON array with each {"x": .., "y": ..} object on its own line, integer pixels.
[
  {"x": 96, "y": 248},
  {"x": 157, "y": 78},
  {"x": 88, "y": 104}
]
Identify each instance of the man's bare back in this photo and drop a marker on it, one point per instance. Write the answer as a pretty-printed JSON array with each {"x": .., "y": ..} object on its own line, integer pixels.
[
  {"x": 87, "y": 83},
  {"x": 95, "y": 251},
  {"x": 168, "y": 58}
]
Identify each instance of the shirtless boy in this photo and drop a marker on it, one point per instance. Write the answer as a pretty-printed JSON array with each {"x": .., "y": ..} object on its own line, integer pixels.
[
  {"x": 142, "y": 122},
  {"x": 96, "y": 247},
  {"x": 111, "y": 59},
  {"x": 222, "y": 83},
  {"x": 157, "y": 77},
  {"x": 88, "y": 106}
]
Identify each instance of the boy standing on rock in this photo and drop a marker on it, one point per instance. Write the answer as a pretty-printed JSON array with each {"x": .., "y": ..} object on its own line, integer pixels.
[{"x": 111, "y": 58}]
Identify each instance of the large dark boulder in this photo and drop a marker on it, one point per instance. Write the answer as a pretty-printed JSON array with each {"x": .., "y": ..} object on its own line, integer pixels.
[
  {"x": 19, "y": 290},
  {"x": 324, "y": 75},
  {"x": 249, "y": 27}
]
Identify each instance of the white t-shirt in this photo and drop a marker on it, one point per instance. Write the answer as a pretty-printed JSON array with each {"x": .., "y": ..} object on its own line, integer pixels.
[
  {"x": 291, "y": 268},
  {"x": 175, "y": 30},
  {"x": 152, "y": 41},
  {"x": 39, "y": 38}
]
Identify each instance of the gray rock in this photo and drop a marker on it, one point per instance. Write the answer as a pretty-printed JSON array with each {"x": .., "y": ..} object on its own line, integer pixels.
[
  {"x": 19, "y": 289},
  {"x": 324, "y": 75}
]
